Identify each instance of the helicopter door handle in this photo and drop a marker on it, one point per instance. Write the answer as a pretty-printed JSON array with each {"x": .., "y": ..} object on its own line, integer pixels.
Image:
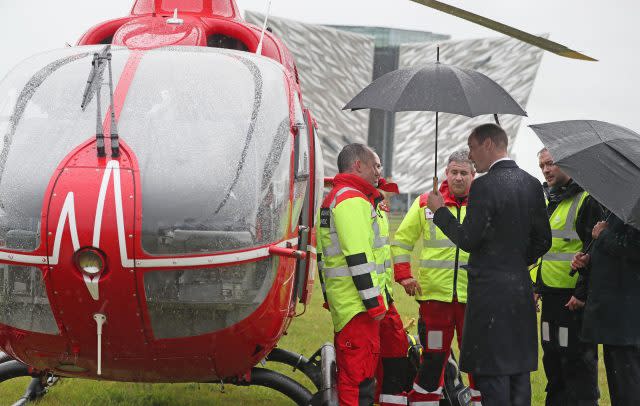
[{"x": 286, "y": 252}]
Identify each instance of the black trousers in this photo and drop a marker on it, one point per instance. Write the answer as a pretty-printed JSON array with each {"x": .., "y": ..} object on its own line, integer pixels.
[
  {"x": 504, "y": 390},
  {"x": 570, "y": 365},
  {"x": 623, "y": 374}
]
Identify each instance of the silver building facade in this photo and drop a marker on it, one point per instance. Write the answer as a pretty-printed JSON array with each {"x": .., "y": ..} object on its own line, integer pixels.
[{"x": 335, "y": 63}]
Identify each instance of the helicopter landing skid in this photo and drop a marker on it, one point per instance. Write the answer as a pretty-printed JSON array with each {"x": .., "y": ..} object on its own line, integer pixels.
[
  {"x": 10, "y": 368},
  {"x": 320, "y": 369}
]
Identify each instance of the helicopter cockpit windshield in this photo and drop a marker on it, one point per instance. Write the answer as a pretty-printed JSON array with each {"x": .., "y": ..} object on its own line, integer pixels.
[
  {"x": 213, "y": 148},
  {"x": 209, "y": 128},
  {"x": 41, "y": 122}
]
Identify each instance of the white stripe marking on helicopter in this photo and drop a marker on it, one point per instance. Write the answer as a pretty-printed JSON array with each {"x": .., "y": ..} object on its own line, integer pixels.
[
  {"x": 68, "y": 211},
  {"x": 212, "y": 259}
]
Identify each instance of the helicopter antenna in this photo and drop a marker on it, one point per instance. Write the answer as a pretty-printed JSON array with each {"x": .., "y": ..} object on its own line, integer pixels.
[
  {"x": 264, "y": 28},
  {"x": 534, "y": 40}
]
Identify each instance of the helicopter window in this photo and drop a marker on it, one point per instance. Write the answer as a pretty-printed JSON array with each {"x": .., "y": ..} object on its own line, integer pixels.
[
  {"x": 193, "y": 302},
  {"x": 143, "y": 7},
  {"x": 41, "y": 122},
  {"x": 318, "y": 172},
  {"x": 193, "y": 6},
  {"x": 223, "y": 41},
  {"x": 107, "y": 40},
  {"x": 301, "y": 168},
  {"x": 214, "y": 150},
  {"x": 23, "y": 300}
]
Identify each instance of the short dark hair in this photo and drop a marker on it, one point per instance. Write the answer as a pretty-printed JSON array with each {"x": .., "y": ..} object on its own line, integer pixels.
[
  {"x": 461, "y": 156},
  {"x": 351, "y": 153},
  {"x": 493, "y": 132}
]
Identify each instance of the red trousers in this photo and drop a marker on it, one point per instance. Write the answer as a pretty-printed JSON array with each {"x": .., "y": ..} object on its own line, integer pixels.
[
  {"x": 392, "y": 372},
  {"x": 440, "y": 320},
  {"x": 357, "y": 351}
]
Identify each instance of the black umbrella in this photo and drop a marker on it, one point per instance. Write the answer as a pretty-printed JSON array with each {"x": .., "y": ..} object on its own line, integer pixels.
[
  {"x": 436, "y": 87},
  {"x": 601, "y": 157}
]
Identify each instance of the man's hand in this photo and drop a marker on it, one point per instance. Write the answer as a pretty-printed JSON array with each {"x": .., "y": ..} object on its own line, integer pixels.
[
  {"x": 574, "y": 304},
  {"x": 597, "y": 229},
  {"x": 536, "y": 300},
  {"x": 580, "y": 260},
  {"x": 411, "y": 286},
  {"x": 435, "y": 201}
]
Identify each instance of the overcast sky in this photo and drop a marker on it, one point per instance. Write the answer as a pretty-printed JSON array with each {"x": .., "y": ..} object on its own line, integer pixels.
[{"x": 564, "y": 89}]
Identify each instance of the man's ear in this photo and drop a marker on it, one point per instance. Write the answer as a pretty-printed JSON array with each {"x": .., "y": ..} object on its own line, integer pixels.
[
  {"x": 357, "y": 165},
  {"x": 488, "y": 144}
]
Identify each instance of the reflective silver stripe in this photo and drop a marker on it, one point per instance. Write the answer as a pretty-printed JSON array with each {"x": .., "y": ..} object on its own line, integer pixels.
[
  {"x": 425, "y": 403},
  {"x": 379, "y": 242},
  {"x": 336, "y": 272},
  {"x": 398, "y": 259},
  {"x": 565, "y": 234},
  {"x": 393, "y": 399},
  {"x": 369, "y": 293},
  {"x": 433, "y": 243},
  {"x": 362, "y": 269},
  {"x": 558, "y": 256},
  {"x": 568, "y": 232},
  {"x": 402, "y": 245},
  {"x": 432, "y": 231},
  {"x": 436, "y": 263},
  {"x": 380, "y": 269},
  {"x": 387, "y": 263},
  {"x": 334, "y": 249},
  {"x": 419, "y": 389}
]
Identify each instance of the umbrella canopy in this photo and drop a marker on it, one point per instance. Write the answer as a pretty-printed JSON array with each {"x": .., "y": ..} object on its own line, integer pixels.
[
  {"x": 436, "y": 87},
  {"x": 601, "y": 157}
]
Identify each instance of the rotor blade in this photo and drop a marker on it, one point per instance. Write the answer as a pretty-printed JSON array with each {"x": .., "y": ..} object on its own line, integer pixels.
[{"x": 534, "y": 40}]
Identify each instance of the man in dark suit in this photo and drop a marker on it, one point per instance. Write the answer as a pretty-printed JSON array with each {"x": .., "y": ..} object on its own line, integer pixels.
[{"x": 505, "y": 230}]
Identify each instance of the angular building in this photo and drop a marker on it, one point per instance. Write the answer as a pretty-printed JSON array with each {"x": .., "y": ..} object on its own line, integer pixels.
[{"x": 336, "y": 62}]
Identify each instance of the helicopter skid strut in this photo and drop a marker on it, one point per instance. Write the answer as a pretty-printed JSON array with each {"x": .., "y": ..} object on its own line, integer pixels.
[
  {"x": 320, "y": 369},
  {"x": 10, "y": 368}
]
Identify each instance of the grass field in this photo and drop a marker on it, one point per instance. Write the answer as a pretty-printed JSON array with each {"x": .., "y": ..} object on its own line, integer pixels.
[{"x": 306, "y": 334}]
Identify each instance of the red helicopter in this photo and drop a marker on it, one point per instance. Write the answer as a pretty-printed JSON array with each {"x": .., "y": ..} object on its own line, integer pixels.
[
  {"x": 158, "y": 185},
  {"x": 165, "y": 230}
]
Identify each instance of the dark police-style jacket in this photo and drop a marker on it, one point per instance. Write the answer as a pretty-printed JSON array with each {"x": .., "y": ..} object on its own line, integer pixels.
[{"x": 505, "y": 230}]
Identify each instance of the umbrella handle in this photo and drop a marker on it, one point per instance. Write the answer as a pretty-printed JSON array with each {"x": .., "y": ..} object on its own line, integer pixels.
[{"x": 435, "y": 184}]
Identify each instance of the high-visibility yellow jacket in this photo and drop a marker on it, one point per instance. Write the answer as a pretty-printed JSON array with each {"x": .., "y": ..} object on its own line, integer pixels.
[
  {"x": 556, "y": 264},
  {"x": 383, "y": 253},
  {"x": 441, "y": 276},
  {"x": 348, "y": 235}
]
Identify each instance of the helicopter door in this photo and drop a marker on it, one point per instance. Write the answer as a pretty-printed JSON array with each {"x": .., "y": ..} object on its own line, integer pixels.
[
  {"x": 306, "y": 268},
  {"x": 90, "y": 229}
]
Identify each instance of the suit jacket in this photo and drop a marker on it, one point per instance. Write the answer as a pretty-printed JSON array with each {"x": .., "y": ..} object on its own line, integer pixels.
[{"x": 505, "y": 230}]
